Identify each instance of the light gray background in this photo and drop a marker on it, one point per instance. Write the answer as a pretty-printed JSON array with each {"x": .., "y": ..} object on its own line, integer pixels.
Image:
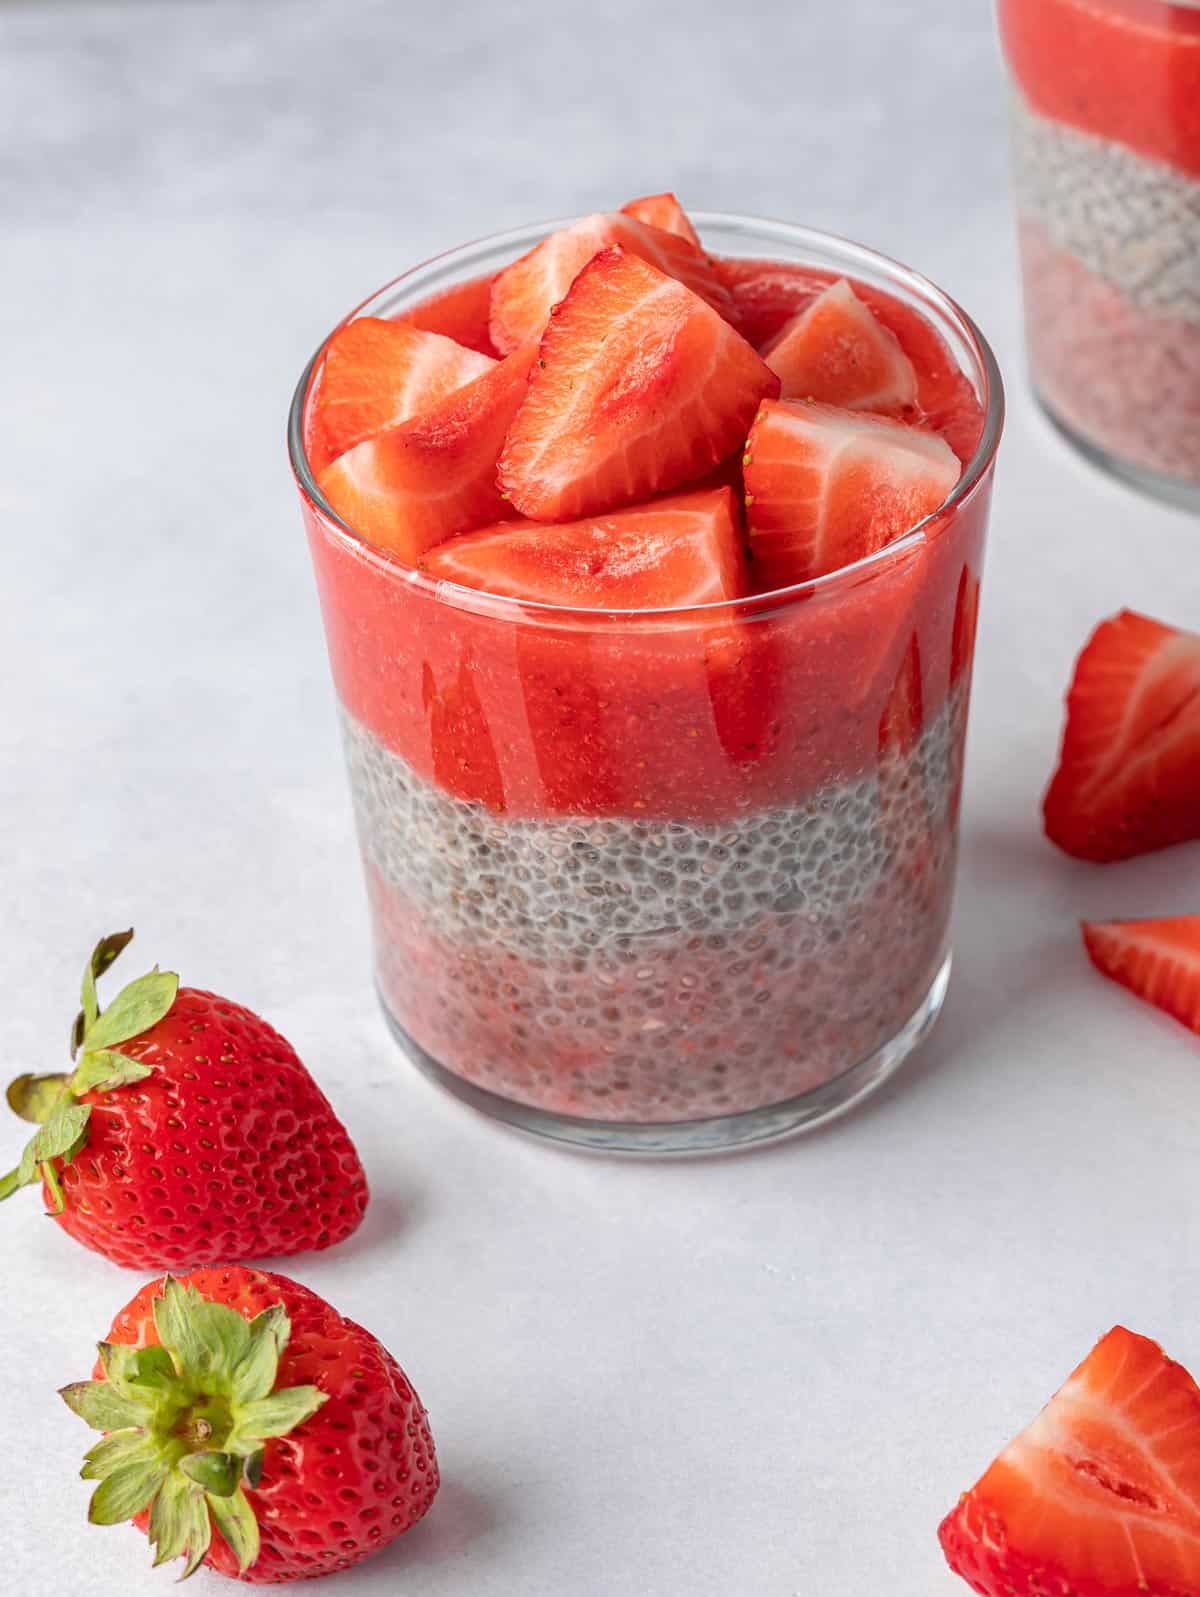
[{"x": 768, "y": 1375}]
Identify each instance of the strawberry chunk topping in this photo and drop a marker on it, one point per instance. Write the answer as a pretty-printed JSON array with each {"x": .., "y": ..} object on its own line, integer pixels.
[
  {"x": 1100, "y": 1496},
  {"x": 638, "y": 386},
  {"x": 664, "y": 211},
  {"x": 435, "y": 475},
  {"x": 1128, "y": 777},
  {"x": 461, "y": 312},
  {"x": 827, "y": 486},
  {"x": 683, "y": 549},
  {"x": 1159, "y": 960},
  {"x": 377, "y": 374},
  {"x": 838, "y": 351},
  {"x": 524, "y": 293}
]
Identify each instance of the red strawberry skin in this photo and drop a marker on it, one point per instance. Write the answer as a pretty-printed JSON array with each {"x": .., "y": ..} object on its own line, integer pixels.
[
  {"x": 1158, "y": 960},
  {"x": 349, "y": 1480},
  {"x": 227, "y": 1150},
  {"x": 638, "y": 386},
  {"x": 1128, "y": 776}
]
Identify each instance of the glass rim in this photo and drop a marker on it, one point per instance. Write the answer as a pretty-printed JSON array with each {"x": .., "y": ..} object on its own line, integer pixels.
[{"x": 797, "y": 237}]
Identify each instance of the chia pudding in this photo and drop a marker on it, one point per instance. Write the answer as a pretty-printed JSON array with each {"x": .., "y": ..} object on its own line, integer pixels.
[
  {"x": 661, "y": 868},
  {"x": 1106, "y": 168}
]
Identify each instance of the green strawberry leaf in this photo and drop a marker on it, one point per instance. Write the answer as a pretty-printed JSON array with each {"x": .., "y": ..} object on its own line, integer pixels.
[
  {"x": 118, "y": 1450},
  {"x": 171, "y": 1518},
  {"x": 279, "y": 1413},
  {"x": 255, "y": 1374},
  {"x": 34, "y": 1097},
  {"x": 234, "y": 1518},
  {"x": 104, "y": 953},
  {"x": 102, "y": 1406},
  {"x": 104, "y": 1070},
  {"x": 199, "y": 1536},
  {"x": 63, "y": 1133},
  {"x": 125, "y": 1492},
  {"x": 134, "y": 1010},
  {"x": 218, "y": 1473},
  {"x": 207, "y": 1339}
]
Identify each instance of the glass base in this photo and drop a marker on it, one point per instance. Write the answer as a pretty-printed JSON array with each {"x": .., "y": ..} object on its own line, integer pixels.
[
  {"x": 1177, "y": 491},
  {"x": 768, "y": 1124}
]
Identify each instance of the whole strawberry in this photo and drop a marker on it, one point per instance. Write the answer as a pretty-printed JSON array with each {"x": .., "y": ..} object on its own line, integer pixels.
[
  {"x": 250, "y": 1427},
  {"x": 188, "y": 1133}
]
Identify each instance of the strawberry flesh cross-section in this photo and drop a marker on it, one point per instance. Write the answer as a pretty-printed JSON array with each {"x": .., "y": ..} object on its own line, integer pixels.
[
  {"x": 639, "y": 386},
  {"x": 684, "y": 549}
]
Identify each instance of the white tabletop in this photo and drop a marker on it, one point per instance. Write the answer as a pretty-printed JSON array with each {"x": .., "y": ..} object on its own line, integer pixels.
[{"x": 770, "y": 1374}]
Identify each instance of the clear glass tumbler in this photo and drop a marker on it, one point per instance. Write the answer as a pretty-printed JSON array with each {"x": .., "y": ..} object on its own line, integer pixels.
[
  {"x": 664, "y": 880},
  {"x": 1106, "y": 167}
]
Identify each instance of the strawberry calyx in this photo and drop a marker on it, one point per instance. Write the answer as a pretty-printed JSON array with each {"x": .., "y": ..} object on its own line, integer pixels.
[
  {"x": 51, "y": 1102},
  {"x": 185, "y": 1424}
]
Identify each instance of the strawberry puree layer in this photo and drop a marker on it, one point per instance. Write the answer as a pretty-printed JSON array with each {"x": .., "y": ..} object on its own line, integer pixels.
[
  {"x": 1128, "y": 70},
  {"x": 1123, "y": 376},
  {"x": 694, "y": 719}
]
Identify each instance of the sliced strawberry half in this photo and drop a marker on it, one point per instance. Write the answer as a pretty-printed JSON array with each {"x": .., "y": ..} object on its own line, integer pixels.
[
  {"x": 684, "y": 549},
  {"x": 461, "y": 313},
  {"x": 1100, "y": 1497},
  {"x": 377, "y": 374},
  {"x": 638, "y": 386},
  {"x": 414, "y": 485},
  {"x": 1159, "y": 960},
  {"x": 838, "y": 351},
  {"x": 664, "y": 211},
  {"x": 826, "y": 486},
  {"x": 1128, "y": 777},
  {"x": 524, "y": 293}
]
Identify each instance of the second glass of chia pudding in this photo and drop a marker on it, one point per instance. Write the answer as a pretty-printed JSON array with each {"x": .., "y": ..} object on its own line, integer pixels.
[
  {"x": 1106, "y": 170},
  {"x": 659, "y": 845}
]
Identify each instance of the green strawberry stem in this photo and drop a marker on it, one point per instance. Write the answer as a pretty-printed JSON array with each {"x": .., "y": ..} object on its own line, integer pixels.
[
  {"x": 51, "y": 1102},
  {"x": 185, "y": 1424}
]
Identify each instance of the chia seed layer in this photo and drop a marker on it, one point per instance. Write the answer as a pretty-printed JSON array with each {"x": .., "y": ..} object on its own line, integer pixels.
[
  {"x": 1110, "y": 245},
  {"x": 657, "y": 971},
  {"x": 1133, "y": 222}
]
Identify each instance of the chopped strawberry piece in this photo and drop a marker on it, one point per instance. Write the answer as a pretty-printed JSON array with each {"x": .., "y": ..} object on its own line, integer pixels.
[
  {"x": 684, "y": 549},
  {"x": 664, "y": 211},
  {"x": 1128, "y": 777},
  {"x": 377, "y": 374},
  {"x": 1100, "y": 1496},
  {"x": 838, "y": 351},
  {"x": 461, "y": 313},
  {"x": 1159, "y": 960},
  {"x": 524, "y": 293},
  {"x": 414, "y": 485},
  {"x": 768, "y": 294},
  {"x": 639, "y": 386},
  {"x": 825, "y": 486}
]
